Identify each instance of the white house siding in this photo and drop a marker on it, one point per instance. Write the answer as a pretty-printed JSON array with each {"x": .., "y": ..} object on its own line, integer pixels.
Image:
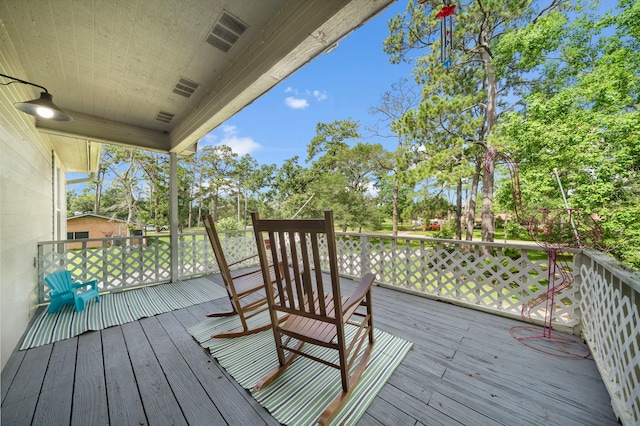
[{"x": 26, "y": 203}]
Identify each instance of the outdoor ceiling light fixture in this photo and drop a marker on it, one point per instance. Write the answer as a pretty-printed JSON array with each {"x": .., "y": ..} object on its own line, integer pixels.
[{"x": 42, "y": 107}]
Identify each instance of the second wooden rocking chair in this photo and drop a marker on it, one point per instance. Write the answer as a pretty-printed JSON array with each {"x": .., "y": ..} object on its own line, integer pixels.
[
  {"x": 245, "y": 288},
  {"x": 317, "y": 315}
]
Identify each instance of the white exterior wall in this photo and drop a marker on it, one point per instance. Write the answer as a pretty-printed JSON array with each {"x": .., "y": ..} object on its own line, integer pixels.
[{"x": 26, "y": 204}]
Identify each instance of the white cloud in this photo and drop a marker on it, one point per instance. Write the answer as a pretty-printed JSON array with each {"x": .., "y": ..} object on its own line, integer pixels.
[
  {"x": 320, "y": 96},
  {"x": 296, "y": 103},
  {"x": 238, "y": 144},
  {"x": 299, "y": 99},
  {"x": 241, "y": 146},
  {"x": 209, "y": 139}
]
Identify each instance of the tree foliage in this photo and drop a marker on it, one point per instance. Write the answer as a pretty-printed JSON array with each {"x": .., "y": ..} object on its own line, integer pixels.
[
  {"x": 584, "y": 122},
  {"x": 461, "y": 102}
]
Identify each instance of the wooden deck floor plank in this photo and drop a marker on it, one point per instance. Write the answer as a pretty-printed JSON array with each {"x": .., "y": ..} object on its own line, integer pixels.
[
  {"x": 194, "y": 401},
  {"x": 22, "y": 397},
  {"x": 509, "y": 357},
  {"x": 440, "y": 310},
  {"x": 510, "y": 405},
  {"x": 9, "y": 371},
  {"x": 436, "y": 341},
  {"x": 415, "y": 406},
  {"x": 511, "y": 346},
  {"x": 125, "y": 404},
  {"x": 505, "y": 367},
  {"x": 528, "y": 395},
  {"x": 386, "y": 414},
  {"x": 56, "y": 395},
  {"x": 506, "y": 403},
  {"x": 89, "y": 393},
  {"x": 229, "y": 398},
  {"x": 368, "y": 420},
  {"x": 460, "y": 411},
  {"x": 411, "y": 382},
  {"x": 418, "y": 324},
  {"x": 426, "y": 310},
  {"x": 159, "y": 403},
  {"x": 424, "y": 363}
]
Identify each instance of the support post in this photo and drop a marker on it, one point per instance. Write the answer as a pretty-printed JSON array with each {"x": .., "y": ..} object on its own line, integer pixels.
[{"x": 173, "y": 214}]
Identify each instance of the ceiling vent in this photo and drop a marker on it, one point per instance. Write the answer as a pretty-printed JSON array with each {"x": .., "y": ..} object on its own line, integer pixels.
[
  {"x": 164, "y": 117},
  {"x": 185, "y": 87},
  {"x": 226, "y": 32}
]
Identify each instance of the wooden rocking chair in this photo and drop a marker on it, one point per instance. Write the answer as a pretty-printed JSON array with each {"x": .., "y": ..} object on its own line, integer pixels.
[
  {"x": 317, "y": 315},
  {"x": 244, "y": 289}
]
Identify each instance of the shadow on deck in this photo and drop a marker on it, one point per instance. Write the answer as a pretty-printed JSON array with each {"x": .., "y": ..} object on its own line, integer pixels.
[{"x": 465, "y": 368}]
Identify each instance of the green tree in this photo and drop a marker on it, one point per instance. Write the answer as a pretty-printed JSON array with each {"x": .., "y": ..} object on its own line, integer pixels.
[
  {"x": 461, "y": 103},
  {"x": 124, "y": 189},
  {"x": 218, "y": 164},
  {"x": 343, "y": 177},
  {"x": 290, "y": 188},
  {"x": 79, "y": 202},
  {"x": 154, "y": 167},
  {"x": 258, "y": 184},
  {"x": 241, "y": 175},
  {"x": 584, "y": 122},
  {"x": 394, "y": 104}
]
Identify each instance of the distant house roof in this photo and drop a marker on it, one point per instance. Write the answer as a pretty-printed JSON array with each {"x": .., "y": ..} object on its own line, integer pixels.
[{"x": 95, "y": 215}]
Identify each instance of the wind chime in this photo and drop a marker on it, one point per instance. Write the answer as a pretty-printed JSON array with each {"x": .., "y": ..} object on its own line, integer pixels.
[{"x": 446, "y": 33}]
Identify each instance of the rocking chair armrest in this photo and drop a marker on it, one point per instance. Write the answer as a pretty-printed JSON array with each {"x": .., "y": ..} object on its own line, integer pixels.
[
  {"x": 244, "y": 259},
  {"x": 360, "y": 292},
  {"x": 57, "y": 293},
  {"x": 254, "y": 271},
  {"x": 91, "y": 283}
]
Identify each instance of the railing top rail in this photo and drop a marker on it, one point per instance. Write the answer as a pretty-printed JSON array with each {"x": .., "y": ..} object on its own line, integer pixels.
[
  {"x": 524, "y": 246},
  {"x": 80, "y": 240},
  {"x": 617, "y": 269},
  {"x": 132, "y": 237}
]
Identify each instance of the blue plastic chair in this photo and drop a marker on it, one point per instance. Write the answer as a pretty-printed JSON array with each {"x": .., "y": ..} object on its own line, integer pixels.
[{"x": 65, "y": 292}]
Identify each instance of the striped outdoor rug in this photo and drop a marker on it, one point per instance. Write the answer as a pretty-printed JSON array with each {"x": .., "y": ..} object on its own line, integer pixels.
[
  {"x": 119, "y": 308},
  {"x": 298, "y": 396}
]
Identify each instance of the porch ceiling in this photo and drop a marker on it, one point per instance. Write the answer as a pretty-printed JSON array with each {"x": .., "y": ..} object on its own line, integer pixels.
[{"x": 124, "y": 69}]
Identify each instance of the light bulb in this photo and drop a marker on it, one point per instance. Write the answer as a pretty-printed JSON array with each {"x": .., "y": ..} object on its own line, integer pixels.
[{"x": 44, "y": 112}]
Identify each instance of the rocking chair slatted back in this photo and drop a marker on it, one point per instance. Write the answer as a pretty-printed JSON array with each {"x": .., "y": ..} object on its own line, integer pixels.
[{"x": 317, "y": 312}]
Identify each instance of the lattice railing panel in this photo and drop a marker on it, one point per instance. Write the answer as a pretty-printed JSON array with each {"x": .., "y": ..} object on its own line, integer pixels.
[
  {"x": 440, "y": 269},
  {"x": 197, "y": 258},
  {"x": 124, "y": 262},
  {"x": 611, "y": 327},
  {"x": 462, "y": 273},
  {"x": 114, "y": 262}
]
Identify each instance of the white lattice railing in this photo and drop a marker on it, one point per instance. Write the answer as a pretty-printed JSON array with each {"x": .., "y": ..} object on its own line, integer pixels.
[
  {"x": 127, "y": 262},
  {"x": 602, "y": 302},
  {"x": 116, "y": 263},
  {"x": 458, "y": 272},
  {"x": 611, "y": 327},
  {"x": 455, "y": 271}
]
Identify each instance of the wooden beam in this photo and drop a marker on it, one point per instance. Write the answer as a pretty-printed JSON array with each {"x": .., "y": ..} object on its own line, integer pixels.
[{"x": 85, "y": 126}]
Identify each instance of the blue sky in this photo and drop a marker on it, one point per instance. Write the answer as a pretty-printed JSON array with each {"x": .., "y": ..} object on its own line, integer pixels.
[{"x": 344, "y": 83}]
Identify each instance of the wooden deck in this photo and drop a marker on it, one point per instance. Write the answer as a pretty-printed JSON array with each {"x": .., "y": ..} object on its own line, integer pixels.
[{"x": 465, "y": 368}]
